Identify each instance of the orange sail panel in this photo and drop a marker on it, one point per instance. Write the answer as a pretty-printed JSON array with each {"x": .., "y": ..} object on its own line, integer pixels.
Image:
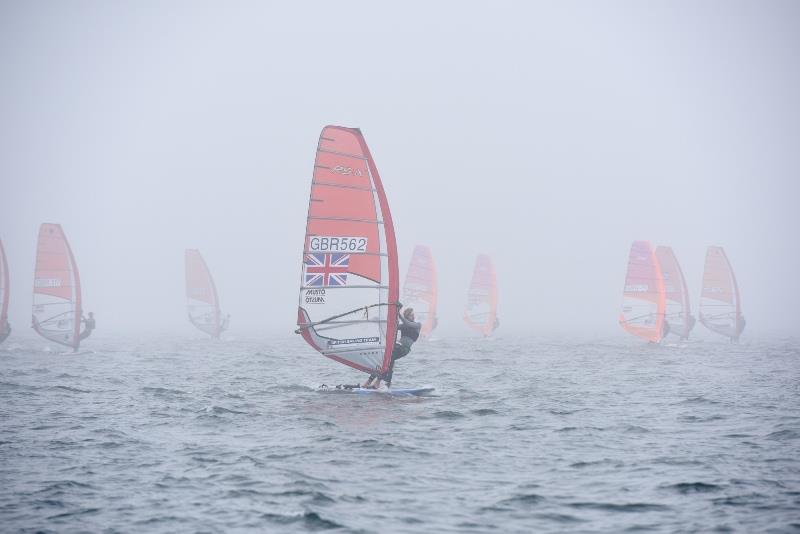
[
  {"x": 349, "y": 285},
  {"x": 56, "y": 289},
  {"x": 678, "y": 313},
  {"x": 4, "y": 289},
  {"x": 643, "y": 304},
  {"x": 720, "y": 307},
  {"x": 201, "y": 294},
  {"x": 419, "y": 290},
  {"x": 481, "y": 311}
]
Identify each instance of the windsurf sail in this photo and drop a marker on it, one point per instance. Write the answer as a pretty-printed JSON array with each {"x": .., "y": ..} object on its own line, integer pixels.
[
  {"x": 481, "y": 311},
  {"x": 643, "y": 304},
  {"x": 679, "y": 320},
  {"x": 720, "y": 307},
  {"x": 419, "y": 290},
  {"x": 56, "y": 289},
  {"x": 349, "y": 285},
  {"x": 202, "y": 302},
  {"x": 4, "y": 289}
]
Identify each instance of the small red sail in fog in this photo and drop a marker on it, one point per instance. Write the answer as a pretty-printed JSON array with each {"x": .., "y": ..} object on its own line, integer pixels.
[
  {"x": 349, "y": 282},
  {"x": 419, "y": 290},
  {"x": 643, "y": 304},
  {"x": 4, "y": 289},
  {"x": 202, "y": 301},
  {"x": 56, "y": 289},
  {"x": 481, "y": 310},
  {"x": 679, "y": 320},
  {"x": 720, "y": 306}
]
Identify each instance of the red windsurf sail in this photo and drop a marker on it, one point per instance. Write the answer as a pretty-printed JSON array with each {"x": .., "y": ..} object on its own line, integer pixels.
[
  {"x": 419, "y": 290},
  {"x": 349, "y": 285},
  {"x": 56, "y": 289},
  {"x": 720, "y": 307},
  {"x": 481, "y": 311},
  {"x": 679, "y": 320},
  {"x": 201, "y": 295},
  {"x": 643, "y": 301}
]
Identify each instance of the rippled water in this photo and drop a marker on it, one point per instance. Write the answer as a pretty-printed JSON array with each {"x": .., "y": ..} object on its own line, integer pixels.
[{"x": 525, "y": 435}]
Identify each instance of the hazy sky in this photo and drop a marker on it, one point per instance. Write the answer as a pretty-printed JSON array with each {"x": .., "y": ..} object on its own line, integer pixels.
[{"x": 548, "y": 135}]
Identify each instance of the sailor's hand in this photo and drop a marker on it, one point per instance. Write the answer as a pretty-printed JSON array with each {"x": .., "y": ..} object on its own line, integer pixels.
[{"x": 399, "y": 304}]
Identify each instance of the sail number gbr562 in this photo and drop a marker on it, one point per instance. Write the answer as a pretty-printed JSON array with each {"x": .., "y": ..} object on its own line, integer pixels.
[{"x": 317, "y": 243}]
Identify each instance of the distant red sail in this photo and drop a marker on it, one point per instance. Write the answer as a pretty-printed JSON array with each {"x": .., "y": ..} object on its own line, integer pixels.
[
  {"x": 201, "y": 294},
  {"x": 419, "y": 290},
  {"x": 720, "y": 305},
  {"x": 644, "y": 302},
  {"x": 481, "y": 310},
  {"x": 4, "y": 287},
  {"x": 56, "y": 289},
  {"x": 676, "y": 293},
  {"x": 349, "y": 285}
]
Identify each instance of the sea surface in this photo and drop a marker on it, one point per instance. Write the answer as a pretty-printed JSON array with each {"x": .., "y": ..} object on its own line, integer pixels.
[{"x": 524, "y": 435}]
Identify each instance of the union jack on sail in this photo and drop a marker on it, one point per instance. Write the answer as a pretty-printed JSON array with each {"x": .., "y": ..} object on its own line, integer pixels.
[{"x": 323, "y": 270}]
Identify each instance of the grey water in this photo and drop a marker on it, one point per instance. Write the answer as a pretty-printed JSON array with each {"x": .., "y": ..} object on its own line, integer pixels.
[{"x": 523, "y": 435}]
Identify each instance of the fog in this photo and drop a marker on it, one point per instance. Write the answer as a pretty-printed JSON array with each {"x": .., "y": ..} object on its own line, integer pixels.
[{"x": 548, "y": 135}]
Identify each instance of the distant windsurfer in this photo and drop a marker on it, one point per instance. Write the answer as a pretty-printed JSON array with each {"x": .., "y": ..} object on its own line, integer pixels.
[
  {"x": 409, "y": 333},
  {"x": 5, "y": 330},
  {"x": 740, "y": 324},
  {"x": 667, "y": 329},
  {"x": 496, "y": 323},
  {"x": 690, "y": 322},
  {"x": 89, "y": 326},
  {"x": 223, "y": 325}
]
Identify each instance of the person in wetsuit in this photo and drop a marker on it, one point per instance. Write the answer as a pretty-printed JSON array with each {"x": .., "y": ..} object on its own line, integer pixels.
[
  {"x": 5, "y": 330},
  {"x": 409, "y": 333},
  {"x": 225, "y": 323},
  {"x": 89, "y": 326}
]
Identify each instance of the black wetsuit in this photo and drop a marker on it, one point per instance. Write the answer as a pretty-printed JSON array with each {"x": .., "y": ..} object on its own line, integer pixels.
[
  {"x": 5, "y": 333},
  {"x": 87, "y": 331},
  {"x": 409, "y": 333}
]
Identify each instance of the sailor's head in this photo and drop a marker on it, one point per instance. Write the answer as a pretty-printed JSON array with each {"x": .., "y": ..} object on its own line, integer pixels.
[
  {"x": 91, "y": 314},
  {"x": 408, "y": 313}
]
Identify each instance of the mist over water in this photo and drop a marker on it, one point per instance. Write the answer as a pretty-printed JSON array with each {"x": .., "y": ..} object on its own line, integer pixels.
[{"x": 546, "y": 135}]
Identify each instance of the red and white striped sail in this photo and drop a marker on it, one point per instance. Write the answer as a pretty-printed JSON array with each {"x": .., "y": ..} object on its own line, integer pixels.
[
  {"x": 202, "y": 302},
  {"x": 720, "y": 307},
  {"x": 4, "y": 290},
  {"x": 676, "y": 293},
  {"x": 643, "y": 304},
  {"x": 349, "y": 285},
  {"x": 419, "y": 290},
  {"x": 481, "y": 311},
  {"x": 56, "y": 289}
]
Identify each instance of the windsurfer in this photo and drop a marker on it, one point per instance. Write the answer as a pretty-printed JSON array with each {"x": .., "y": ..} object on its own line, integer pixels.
[
  {"x": 223, "y": 325},
  {"x": 496, "y": 323},
  {"x": 740, "y": 323},
  {"x": 666, "y": 329},
  {"x": 89, "y": 325},
  {"x": 5, "y": 330},
  {"x": 409, "y": 333}
]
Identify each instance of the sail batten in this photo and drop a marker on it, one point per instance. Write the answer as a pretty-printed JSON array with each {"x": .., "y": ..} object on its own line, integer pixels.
[
  {"x": 720, "y": 305},
  {"x": 644, "y": 303},
  {"x": 349, "y": 285},
  {"x": 56, "y": 289},
  {"x": 480, "y": 313}
]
